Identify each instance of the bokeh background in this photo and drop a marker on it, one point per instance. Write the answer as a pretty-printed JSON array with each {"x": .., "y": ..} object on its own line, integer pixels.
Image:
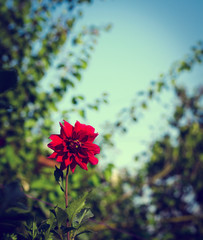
[{"x": 133, "y": 70}]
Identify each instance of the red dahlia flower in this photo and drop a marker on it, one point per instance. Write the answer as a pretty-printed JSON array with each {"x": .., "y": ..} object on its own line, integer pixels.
[{"x": 74, "y": 146}]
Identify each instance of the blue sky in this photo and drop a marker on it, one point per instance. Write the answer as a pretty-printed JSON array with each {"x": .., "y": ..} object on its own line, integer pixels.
[{"x": 146, "y": 38}]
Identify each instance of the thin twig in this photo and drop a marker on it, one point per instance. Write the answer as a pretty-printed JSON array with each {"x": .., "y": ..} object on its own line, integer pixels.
[
  {"x": 39, "y": 200},
  {"x": 136, "y": 237}
]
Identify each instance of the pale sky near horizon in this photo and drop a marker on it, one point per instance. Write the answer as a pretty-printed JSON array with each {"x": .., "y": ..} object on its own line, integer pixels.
[{"x": 146, "y": 38}]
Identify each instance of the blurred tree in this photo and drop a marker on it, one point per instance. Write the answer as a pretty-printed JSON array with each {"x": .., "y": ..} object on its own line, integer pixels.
[
  {"x": 166, "y": 82},
  {"x": 163, "y": 200},
  {"x": 33, "y": 33},
  {"x": 174, "y": 173}
]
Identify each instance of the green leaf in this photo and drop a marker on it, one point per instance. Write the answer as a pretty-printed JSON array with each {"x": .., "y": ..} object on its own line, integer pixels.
[
  {"x": 44, "y": 227},
  {"x": 83, "y": 64},
  {"x": 82, "y": 113},
  {"x": 95, "y": 180},
  {"x": 82, "y": 229},
  {"x": 61, "y": 216},
  {"x": 160, "y": 85},
  {"x": 76, "y": 206},
  {"x": 58, "y": 174},
  {"x": 61, "y": 65},
  {"x": 62, "y": 189},
  {"x": 108, "y": 171},
  {"x": 80, "y": 97},
  {"x": 56, "y": 234},
  {"x": 70, "y": 22},
  {"x": 83, "y": 215},
  {"x": 52, "y": 106},
  {"x": 77, "y": 75},
  {"x": 74, "y": 100},
  {"x": 54, "y": 213},
  {"x": 34, "y": 229},
  {"x": 108, "y": 27},
  {"x": 50, "y": 221},
  {"x": 19, "y": 208},
  {"x": 22, "y": 236},
  {"x": 144, "y": 105},
  {"x": 30, "y": 123},
  {"x": 66, "y": 229},
  {"x": 65, "y": 82}
]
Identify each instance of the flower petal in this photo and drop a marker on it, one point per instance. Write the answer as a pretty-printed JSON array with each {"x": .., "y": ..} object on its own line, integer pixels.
[
  {"x": 82, "y": 152},
  {"x": 84, "y": 132},
  {"x": 54, "y": 146},
  {"x": 84, "y": 136},
  {"x": 92, "y": 147},
  {"x": 86, "y": 128},
  {"x": 65, "y": 160},
  {"x": 73, "y": 166},
  {"x": 63, "y": 132},
  {"x": 56, "y": 138},
  {"x": 93, "y": 160},
  {"x": 68, "y": 161},
  {"x": 78, "y": 126},
  {"x": 80, "y": 163},
  {"x": 92, "y": 137},
  {"x": 68, "y": 128},
  {"x": 53, "y": 155},
  {"x": 59, "y": 158}
]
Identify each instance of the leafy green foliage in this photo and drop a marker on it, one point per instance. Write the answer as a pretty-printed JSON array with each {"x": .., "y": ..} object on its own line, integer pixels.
[
  {"x": 13, "y": 208},
  {"x": 165, "y": 82},
  {"x": 8, "y": 80},
  {"x": 58, "y": 225},
  {"x": 73, "y": 219},
  {"x": 78, "y": 215},
  {"x": 75, "y": 207},
  {"x": 31, "y": 42}
]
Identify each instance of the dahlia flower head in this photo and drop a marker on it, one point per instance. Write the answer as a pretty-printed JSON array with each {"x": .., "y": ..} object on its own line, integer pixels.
[{"x": 74, "y": 146}]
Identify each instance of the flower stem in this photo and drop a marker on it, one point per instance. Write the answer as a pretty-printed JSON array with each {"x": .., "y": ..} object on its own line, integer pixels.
[
  {"x": 66, "y": 197},
  {"x": 66, "y": 187}
]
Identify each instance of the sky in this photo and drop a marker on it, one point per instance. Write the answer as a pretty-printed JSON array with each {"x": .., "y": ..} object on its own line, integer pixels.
[{"x": 145, "y": 39}]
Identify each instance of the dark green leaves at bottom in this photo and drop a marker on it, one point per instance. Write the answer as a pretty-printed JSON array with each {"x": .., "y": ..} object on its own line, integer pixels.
[
  {"x": 81, "y": 230},
  {"x": 76, "y": 206},
  {"x": 83, "y": 216},
  {"x": 78, "y": 215}
]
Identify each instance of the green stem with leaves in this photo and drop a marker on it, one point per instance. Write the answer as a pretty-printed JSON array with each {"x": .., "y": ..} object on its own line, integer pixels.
[{"x": 66, "y": 197}]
